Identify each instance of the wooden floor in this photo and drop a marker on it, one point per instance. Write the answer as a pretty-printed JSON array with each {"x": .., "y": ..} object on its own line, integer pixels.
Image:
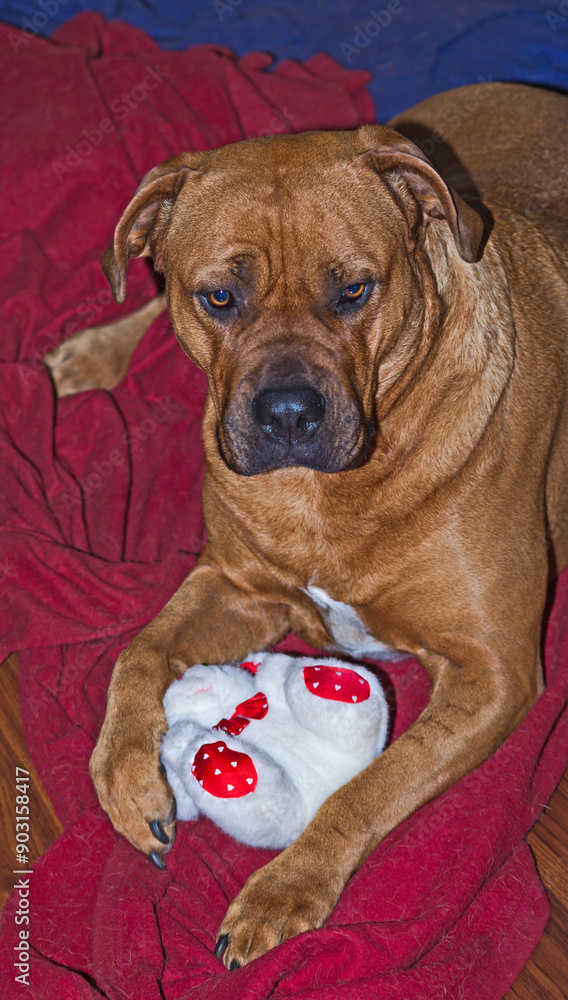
[{"x": 544, "y": 978}]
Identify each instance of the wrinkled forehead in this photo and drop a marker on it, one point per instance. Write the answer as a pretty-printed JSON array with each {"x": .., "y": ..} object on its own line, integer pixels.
[{"x": 297, "y": 198}]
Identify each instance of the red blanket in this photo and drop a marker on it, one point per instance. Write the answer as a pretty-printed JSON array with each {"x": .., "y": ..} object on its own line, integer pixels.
[{"x": 100, "y": 521}]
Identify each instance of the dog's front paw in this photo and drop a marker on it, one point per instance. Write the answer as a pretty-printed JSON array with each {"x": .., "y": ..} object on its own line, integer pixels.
[
  {"x": 127, "y": 775},
  {"x": 286, "y": 897}
]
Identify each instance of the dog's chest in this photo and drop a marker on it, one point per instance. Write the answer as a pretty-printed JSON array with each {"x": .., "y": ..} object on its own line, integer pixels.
[{"x": 347, "y": 629}]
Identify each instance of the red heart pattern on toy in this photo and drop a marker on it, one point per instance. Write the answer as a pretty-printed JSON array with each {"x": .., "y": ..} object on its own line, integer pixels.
[
  {"x": 223, "y": 772},
  {"x": 336, "y": 683}
]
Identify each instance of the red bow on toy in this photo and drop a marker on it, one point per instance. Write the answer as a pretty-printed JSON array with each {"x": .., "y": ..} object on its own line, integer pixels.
[{"x": 253, "y": 708}]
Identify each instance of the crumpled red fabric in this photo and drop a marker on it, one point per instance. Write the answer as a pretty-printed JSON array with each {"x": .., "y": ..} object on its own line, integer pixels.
[{"x": 101, "y": 520}]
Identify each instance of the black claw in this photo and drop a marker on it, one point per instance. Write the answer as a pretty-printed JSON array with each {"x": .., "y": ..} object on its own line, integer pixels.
[
  {"x": 172, "y": 840},
  {"x": 234, "y": 965},
  {"x": 158, "y": 831},
  {"x": 157, "y": 860},
  {"x": 172, "y": 814},
  {"x": 221, "y": 946}
]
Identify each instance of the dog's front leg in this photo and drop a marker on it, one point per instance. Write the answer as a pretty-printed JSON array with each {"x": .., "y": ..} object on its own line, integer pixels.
[
  {"x": 473, "y": 708},
  {"x": 210, "y": 619}
]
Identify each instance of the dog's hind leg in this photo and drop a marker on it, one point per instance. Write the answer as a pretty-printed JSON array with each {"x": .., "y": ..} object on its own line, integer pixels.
[{"x": 98, "y": 357}]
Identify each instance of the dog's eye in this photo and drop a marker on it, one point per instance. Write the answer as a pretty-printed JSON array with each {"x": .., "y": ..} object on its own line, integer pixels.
[
  {"x": 354, "y": 295},
  {"x": 220, "y": 299},
  {"x": 353, "y": 292}
]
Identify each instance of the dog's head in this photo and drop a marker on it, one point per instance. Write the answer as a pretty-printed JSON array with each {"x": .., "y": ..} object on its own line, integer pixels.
[{"x": 292, "y": 281}]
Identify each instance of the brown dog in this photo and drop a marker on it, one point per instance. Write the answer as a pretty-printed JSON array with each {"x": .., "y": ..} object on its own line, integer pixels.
[{"x": 386, "y": 438}]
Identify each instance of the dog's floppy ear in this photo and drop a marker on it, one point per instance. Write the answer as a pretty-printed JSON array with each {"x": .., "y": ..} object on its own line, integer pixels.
[
  {"x": 142, "y": 229},
  {"x": 387, "y": 152}
]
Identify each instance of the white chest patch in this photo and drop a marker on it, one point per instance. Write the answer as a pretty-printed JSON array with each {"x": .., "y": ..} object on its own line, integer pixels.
[{"x": 348, "y": 630}]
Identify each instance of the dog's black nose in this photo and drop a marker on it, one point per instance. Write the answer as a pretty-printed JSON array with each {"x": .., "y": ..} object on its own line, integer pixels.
[{"x": 289, "y": 414}]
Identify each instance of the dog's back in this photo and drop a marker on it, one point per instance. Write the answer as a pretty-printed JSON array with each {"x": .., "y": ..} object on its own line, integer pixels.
[
  {"x": 504, "y": 147},
  {"x": 510, "y": 140}
]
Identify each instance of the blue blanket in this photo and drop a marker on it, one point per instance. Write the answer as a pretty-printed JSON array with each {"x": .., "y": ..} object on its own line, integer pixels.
[{"x": 413, "y": 48}]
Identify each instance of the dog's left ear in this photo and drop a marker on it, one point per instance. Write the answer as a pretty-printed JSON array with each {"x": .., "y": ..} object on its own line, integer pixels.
[
  {"x": 143, "y": 227},
  {"x": 388, "y": 152}
]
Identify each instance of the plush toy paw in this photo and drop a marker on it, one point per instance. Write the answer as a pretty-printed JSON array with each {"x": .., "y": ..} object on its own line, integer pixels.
[
  {"x": 259, "y": 747},
  {"x": 342, "y": 704},
  {"x": 204, "y": 694}
]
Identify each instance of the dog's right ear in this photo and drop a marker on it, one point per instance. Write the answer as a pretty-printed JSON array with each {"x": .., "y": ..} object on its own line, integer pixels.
[
  {"x": 142, "y": 229},
  {"x": 391, "y": 154}
]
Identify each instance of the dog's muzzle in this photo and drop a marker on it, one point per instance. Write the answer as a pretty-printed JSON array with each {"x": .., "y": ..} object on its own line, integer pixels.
[{"x": 293, "y": 424}]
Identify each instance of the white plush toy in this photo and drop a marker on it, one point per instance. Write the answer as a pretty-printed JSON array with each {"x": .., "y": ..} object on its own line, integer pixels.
[{"x": 259, "y": 747}]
